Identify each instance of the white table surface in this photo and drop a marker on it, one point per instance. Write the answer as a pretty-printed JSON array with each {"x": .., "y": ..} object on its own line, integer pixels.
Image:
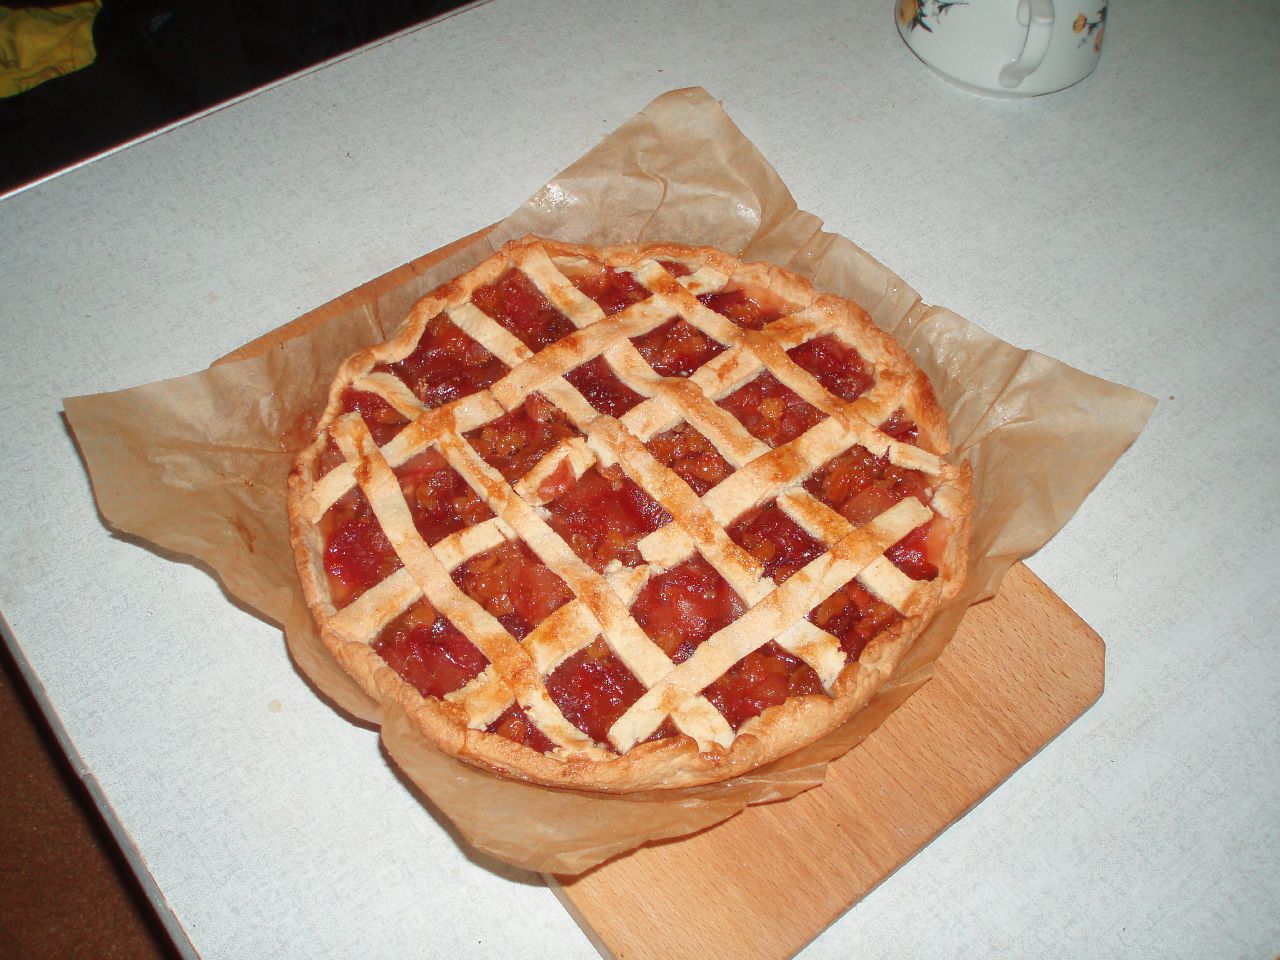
[{"x": 1127, "y": 226}]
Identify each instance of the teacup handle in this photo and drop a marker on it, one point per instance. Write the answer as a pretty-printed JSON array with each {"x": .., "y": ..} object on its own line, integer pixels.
[{"x": 1038, "y": 16}]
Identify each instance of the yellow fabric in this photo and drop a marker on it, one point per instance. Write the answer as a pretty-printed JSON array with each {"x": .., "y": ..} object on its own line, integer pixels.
[{"x": 38, "y": 44}]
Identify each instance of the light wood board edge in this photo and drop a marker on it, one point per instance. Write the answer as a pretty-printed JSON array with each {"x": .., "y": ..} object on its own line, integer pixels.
[
  {"x": 1022, "y": 667},
  {"x": 363, "y": 294}
]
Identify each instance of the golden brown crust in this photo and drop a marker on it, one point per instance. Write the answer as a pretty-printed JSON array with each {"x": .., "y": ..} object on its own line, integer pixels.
[{"x": 708, "y": 750}]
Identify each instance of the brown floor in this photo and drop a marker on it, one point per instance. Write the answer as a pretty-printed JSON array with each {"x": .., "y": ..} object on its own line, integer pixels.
[{"x": 66, "y": 891}]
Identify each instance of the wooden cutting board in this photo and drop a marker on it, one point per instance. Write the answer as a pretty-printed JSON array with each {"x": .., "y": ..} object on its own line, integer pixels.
[{"x": 1021, "y": 668}]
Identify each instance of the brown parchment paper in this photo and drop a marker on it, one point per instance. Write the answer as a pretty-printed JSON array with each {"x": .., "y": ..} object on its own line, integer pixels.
[{"x": 197, "y": 465}]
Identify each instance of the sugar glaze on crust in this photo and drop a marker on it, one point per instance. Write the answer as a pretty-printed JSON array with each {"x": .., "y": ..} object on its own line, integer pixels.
[{"x": 702, "y": 747}]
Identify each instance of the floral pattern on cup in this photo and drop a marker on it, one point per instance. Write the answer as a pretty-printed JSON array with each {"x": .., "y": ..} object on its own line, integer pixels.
[
  {"x": 916, "y": 13},
  {"x": 1092, "y": 29}
]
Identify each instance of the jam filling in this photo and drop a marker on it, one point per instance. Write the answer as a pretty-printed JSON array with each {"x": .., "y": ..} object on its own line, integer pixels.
[
  {"x": 771, "y": 411},
  {"x": 515, "y": 442},
  {"x": 752, "y": 310},
  {"x": 853, "y": 614},
  {"x": 860, "y": 486},
  {"x": 382, "y": 419},
  {"x": 429, "y": 652},
  {"x": 691, "y": 456},
  {"x": 514, "y": 724},
  {"x": 677, "y": 348},
  {"x": 440, "y": 501},
  {"x": 901, "y": 428},
  {"x": 775, "y": 540},
  {"x": 593, "y": 689},
  {"x": 835, "y": 365},
  {"x": 518, "y": 305},
  {"x": 446, "y": 365},
  {"x": 685, "y": 605},
  {"x": 763, "y": 678},
  {"x": 675, "y": 268},
  {"x": 357, "y": 553},
  {"x": 612, "y": 290},
  {"x": 604, "y": 516},
  {"x": 329, "y": 458},
  {"x": 517, "y": 588},
  {"x": 602, "y": 388},
  {"x": 916, "y": 554}
]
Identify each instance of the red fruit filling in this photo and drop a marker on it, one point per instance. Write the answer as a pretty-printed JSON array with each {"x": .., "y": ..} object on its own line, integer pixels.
[
  {"x": 612, "y": 290},
  {"x": 514, "y": 724},
  {"x": 446, "y": 365},
  {"x": 514, "y": 443},
  {"x": 835, "y": 365},
  {"x": 604, "y": 515},
  {"x": 763, "y": 678},
  {"x": 691, "y": 456},
  {"x": 440, "y": 501},
  {"x": 775, "y": 540},
  {"x": 517, "y": 588},
  {"x": 751, "y": 309},
  {"x": 357, "y": 553},
  {"x": 593, "y": 689},
  {"x": 429, "y": 652},
  {"x": 917, "y": 554},
  {"x": 677, "y": 348},
  {"x": 602, "y": 388},
  {"x": 518, "y": 305},
  {"x": 771, "y": 411},
  {"x": 901, "y": 428},
  {"x": 685, "y": 605},
  {"x": 860, "y": 486},
  {"x": 854, "y": 615},
  {"x": 382, "y": 419}
]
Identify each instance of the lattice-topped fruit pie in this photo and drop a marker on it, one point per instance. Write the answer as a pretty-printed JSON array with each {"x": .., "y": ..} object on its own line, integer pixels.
[{"x": 628, "y": 517}]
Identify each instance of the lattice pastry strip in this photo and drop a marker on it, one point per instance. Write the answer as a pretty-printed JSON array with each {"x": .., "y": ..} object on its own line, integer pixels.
[
  {"x": 692, "y": 520},
  {"x": 765, "y": 321},
  {"x": 557, "y": 638},
  {"x": 783, "y": 607},
  {"x": 463, "y": 415},
  {"x": 641, "y": 656},
  {"x": 361, "y": 620},
  {"x": 506, "y": 655}
]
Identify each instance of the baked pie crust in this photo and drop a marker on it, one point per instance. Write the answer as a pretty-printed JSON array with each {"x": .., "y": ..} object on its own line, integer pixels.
[{"x": 588, "y": 516}]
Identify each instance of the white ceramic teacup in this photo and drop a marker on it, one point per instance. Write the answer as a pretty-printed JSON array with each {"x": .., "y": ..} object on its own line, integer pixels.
[{"x": 1005, "y": 48}]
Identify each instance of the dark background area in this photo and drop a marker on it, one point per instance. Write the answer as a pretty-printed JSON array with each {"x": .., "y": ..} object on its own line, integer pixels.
[
  {"x": 159, "y": 62},
  {"x": 66, "y": 891}
]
